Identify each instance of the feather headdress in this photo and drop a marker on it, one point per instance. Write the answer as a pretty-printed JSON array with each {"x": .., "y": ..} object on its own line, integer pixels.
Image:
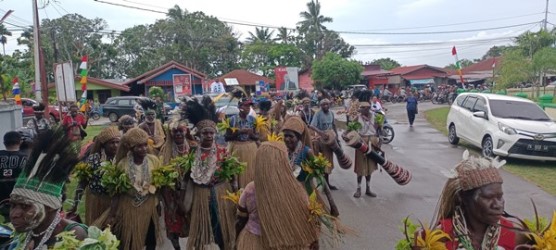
[
  {"x": 147, "y": 103},
  {"x": 52, "y": 159},
  {"x": 200, "y": 115}
]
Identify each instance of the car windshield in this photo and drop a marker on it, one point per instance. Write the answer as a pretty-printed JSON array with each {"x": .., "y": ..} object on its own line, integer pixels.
[
  {"x": 225, "y": 101},
  {"x": 517, "y": 110}
]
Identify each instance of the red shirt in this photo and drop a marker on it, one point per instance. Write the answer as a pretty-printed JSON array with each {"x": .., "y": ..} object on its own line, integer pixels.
[
  {"x": 506, "y": 240},
  {"x": 74, "y": 131}
]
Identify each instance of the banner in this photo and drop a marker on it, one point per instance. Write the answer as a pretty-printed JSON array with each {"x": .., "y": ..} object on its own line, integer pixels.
[
  {"x": 65, "y": 82},
  {"x": 182, "y": 85},
  {"x": 287, "y": 78}
]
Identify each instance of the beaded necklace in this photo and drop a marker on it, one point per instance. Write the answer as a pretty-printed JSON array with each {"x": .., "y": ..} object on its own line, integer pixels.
[
  {"x": 47, "y": 233},
  {"x": 293, "y": 155},
  {"x": 202, "y": 170},
  {"x": 139, "y": 198},
  {"x": 463, "y": 236}
]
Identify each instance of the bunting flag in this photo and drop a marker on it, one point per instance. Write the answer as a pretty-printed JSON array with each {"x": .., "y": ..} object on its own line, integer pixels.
[
  {"x": 83, "y": 67},
  {"x": 458, "y": 66},
  {"x": 16, "y": 91}
]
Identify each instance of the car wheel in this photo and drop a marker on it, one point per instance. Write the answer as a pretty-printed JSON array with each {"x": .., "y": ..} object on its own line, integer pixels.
[
  {"x": 452, "y": 135},
  {"x": 487, "y": 147},
  {"x": 113, "y": 117}
]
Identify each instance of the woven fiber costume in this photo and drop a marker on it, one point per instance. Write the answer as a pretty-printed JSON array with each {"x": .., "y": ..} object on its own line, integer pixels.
[
  {"x": 275, "y": 204},
  {"x": 473, "y": 180},
  {"x": 36, "y": 200},
  {"x": 103, "y": 151},
  {"x": 176, "y": 145},
  {"x": 134, "y": 212},
  {"x": 212, "y": 218}
]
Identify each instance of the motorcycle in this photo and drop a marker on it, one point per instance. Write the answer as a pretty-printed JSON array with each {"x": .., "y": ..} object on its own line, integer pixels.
[
  {"x": 93, "y": 113},
  {"x": 386, "y": 131}
]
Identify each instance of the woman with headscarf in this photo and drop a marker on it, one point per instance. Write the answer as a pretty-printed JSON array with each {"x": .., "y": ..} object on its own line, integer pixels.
[
  {"x": 298, "y": 143},
  {"x": 97, "y": 200},
  {"x": 471, "y": 207},
  {"x": 212, "y": 218},
  {"x": 133, "y": 215},
  {"x": 273, "y": 210},
  {"x": 176, "y": 145},
  {"x": 242, "y": 138},
  {"x": 36, "y": 200}
]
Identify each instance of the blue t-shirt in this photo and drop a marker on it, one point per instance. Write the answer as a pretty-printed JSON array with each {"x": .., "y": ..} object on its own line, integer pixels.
[{"x": 411, "y": 103}]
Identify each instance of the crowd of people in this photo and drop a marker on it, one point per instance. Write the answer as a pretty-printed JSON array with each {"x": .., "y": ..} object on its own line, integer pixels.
[{"x": 270, "y": 196}]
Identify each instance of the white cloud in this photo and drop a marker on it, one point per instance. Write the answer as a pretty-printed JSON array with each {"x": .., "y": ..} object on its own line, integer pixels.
[{"x": 414, "y": 6}]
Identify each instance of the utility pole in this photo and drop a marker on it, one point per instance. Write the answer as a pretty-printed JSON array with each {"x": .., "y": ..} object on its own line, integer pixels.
[
  {"x": 41, "y": 88},
  {"x": 545, "y": 21}
]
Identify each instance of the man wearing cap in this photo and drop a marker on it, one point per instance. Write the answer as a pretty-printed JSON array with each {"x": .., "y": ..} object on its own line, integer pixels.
[
  {"x": 324, "y": 120},
  {"x": 38, "y": 123}
]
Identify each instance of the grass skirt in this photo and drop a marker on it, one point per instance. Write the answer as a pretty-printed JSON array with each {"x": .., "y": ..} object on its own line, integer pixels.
[
  {"x": 249, "y": 241},
  {"x": 95, "y": 205},
  {"x": 132, "y": 223},
  {"x": 364, "y": 166},
  {"x": 201, "y": 235},
  {"x": 245, "y": 152}
]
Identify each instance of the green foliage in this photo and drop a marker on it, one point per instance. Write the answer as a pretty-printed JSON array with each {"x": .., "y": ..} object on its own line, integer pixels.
[
  {"x": 544, "y": 60},
  {"x": 229, "y": 167},
  {"x": 496, "y": 51},
  {"x": 96, "y": 240},
  {"x": 335, "y": 72},
  {"x": 386, "y": 63},
  {"x": 165, "y": 176},
  {"x": 156, "y": 91},
  {"x": 531, "y": 42},
  {"x": 115, "y": 180},
  {"x": 515, "y": 68},
  {"x": 264, "y": 35},
  {"x": 264, "y": 57},
  {"x": 353, "y": 126},
  {"x": 463, "y": 63},
  {"x": 408, "y": 229}
]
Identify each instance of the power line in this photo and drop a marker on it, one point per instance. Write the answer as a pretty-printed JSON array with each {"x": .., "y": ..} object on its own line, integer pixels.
[
  {"x": 340, "y": 32},
  {"x": 432, "y": 43},
  {"x": 455, "y": 24}
]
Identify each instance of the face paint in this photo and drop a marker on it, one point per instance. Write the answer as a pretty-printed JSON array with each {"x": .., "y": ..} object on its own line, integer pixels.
[{"x": 25, "y": 214}]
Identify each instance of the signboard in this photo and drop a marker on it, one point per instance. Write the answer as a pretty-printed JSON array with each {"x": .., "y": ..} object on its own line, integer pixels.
[
  {"x": 65, "y": 82},
  {"x": 182, "y": 85},
  {"x": 231, "y": 81},
  {"x": 287, "y": 78}
]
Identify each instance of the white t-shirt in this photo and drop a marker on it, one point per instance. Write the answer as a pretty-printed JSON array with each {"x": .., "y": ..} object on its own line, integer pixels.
[{"x": 217, "y": 87}]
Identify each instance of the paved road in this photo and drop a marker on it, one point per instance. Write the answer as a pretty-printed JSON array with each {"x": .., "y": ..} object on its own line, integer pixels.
[{"x": 425, "y": 152}]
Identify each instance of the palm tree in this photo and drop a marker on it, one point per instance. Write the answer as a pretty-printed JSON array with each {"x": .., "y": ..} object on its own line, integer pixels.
[
  {"x": 313, "y": 25},
  {"x": 284, "y": 35},
  {"x": 312, "y": 19},
  {"x": 263, "y": 35},
  {"x": 3, "y": 39}
]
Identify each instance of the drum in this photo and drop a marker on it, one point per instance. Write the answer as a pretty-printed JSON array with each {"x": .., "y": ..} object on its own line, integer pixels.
[
  {"x": 330, "y": 140},
  {"x": 400, "y": 175}
]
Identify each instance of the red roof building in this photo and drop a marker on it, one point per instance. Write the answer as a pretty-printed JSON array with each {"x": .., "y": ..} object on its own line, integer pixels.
[{"x": 418, "y": 76}]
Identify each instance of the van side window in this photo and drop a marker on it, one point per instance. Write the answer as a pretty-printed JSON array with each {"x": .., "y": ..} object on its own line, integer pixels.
[
  {"x": 480, "y": 105},
  {"x": 460, "y": 100},
  {"x": 469, "y": 103}
]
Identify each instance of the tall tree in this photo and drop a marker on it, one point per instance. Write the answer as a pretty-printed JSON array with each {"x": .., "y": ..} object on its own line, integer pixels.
[
  {"x": 3, "y": 39},
  {"x": 284, "y": 35},
  {"x": 264, "y": 35},
  {"x": 496, "y": 51},
  {"x": 313, "y": 26},
  {"x": 335, "y": 72},
  {"x": 264, "y": 57},
  {"x": 515, "y": 68},
  {"x": 386, "y": 63},
  {"x": 463, "y": 63}
]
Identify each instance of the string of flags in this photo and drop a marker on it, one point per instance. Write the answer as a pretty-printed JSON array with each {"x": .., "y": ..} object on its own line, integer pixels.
[
  {"x": 83, "y": 67},
  {"x": 16, "y": 91}
]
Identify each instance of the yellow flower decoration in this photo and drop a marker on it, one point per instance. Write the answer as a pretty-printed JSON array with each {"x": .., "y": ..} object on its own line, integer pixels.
[
  {"x": 233, "y": 197},
  {"x": 432, "y": 239},
  {"x": 83, "y": 171},
  {"x": 260, "y": 121},
  {"x": 225, "y": 125},
  {"x": 316, "y": 208},
  {"x": 547, "y": 240},
  {"x": 275, "y": 137}
]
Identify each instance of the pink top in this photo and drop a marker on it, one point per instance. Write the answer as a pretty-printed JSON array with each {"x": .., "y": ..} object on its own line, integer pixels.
[{"x": 248, "y": 201}]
